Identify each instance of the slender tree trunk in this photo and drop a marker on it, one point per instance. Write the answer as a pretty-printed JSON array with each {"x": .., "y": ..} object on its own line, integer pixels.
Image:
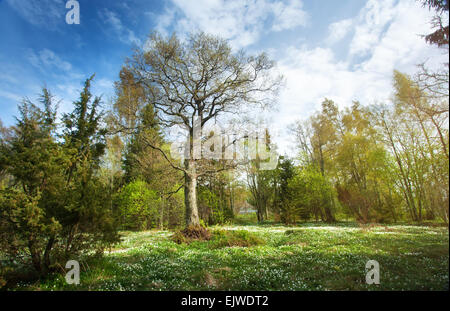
[
  {"x": 441, "y": 136},
  {"x": 161, "y": 218},
  {"x": 35, "y": 256},
  {"x": 259, "y": 213},
  {"x": 329, "y": 215},
  {"x": 48, "y": 249}
]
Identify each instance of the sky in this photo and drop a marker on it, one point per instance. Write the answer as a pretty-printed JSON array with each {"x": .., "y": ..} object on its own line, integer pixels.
[{"x": 342, "y": 50}]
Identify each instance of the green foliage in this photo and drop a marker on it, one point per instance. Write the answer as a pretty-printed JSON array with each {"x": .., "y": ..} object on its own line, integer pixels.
[
  {"x": 138, "y": 206},
  {"x": 440, "y": 35},
  {"x": 361, "y": 165},
  {"x": 140, "y": 160},
  {"x": 215, "y": 209},
  {"x": 285, "y": 195},
  {"x": 140, "y": 130},
  {"x": 55, "y": 207},
  {"x": 376, "y": 163},
  {"x": 313, "y": 194},
  {"x": 260, "y": 184},
  {"x": 237, "y": 238}
]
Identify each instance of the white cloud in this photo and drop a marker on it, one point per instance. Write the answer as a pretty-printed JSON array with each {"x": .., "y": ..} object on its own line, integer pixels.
[
  {"x": 384, "y": 37},
  {"x": 47, "y": 59},
  {"x": 288, "y": 16},
  {"x": 163, "y": 21},
  {"x": 11, "y": 96},
  {"x": 43, "y": 13},
  {"x": 401, "y": 47},
  {"x": 242, "y": 22},
  {"x": 103, "y": 87},
  {"x": 314, "y": 73},
  {"x": 338, "y": 30},
  {"x": 8, "y": 78},
  {"x": 124, "y": 34},
  {"x": 371, "y": 22}
]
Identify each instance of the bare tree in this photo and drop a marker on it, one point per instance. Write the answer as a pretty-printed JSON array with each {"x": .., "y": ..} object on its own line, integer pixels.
[{"x": 195, "y": 81}]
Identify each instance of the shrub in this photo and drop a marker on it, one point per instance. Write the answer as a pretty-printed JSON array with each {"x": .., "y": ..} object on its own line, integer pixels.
[
  {"x": 55, "y": 206},
  {"x": 179, "y": 238},
  {"x": 190, "y": 234},
  {"x": 289, "y": 232},
  {"x": 240, "y": 238}
]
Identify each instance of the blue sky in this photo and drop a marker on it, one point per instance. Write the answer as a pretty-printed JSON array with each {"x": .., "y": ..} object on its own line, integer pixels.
[{"x": 343, "y": 50}]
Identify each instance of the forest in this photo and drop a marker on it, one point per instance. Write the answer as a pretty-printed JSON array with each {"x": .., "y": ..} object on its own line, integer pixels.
[{"x": 102, "y": 185}]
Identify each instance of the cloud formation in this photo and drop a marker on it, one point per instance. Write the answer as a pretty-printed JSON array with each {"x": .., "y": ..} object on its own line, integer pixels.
[
  {"x": 371, "y": 24},
  {"x": 47, "y": 59},
  {"x": 242, "y": 22},
  {"x": 385, "y": 36},
  {"x": 339, "y": 30},
  {"x": 46, "y": 14},
  {"x": 124, "y": 34}
]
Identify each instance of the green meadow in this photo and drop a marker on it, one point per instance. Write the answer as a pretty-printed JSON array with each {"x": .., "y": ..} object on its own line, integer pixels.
[{"x": 270, "y": 256}]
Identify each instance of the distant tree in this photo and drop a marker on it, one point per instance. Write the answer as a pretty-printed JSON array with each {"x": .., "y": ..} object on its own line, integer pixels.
[
  {"x": 286, "y": 172},
  {"x": 360, "y": 164},
  {"x": 139, "y": 206},
  {"x": 310, "y": 193},
  {"x": 324, "y": 129},
  {"x": 259, "y": 183},
  {"x": 421, "y": 141},
  {"x": 216, "y": 197},
  {"x": 133, "y": 112}
]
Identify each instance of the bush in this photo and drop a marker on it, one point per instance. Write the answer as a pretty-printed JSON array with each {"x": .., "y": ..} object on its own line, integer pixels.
[
  {"x": 55, "y": 206},
  {"x": 190, "y": 234},
  {"x": 289, "y": 232},
  {"x": 239, "y": 238}
]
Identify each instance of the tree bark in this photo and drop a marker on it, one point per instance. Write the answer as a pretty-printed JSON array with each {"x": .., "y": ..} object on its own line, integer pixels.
[
  {"x": 48, "y": 249},
  {"x": 190, "y": 194},
  {"x": 35, "y": 256}
]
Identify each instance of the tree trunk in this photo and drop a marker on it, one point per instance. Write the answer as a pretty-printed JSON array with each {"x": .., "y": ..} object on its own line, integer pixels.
[
  {"x": 258, "y": 214},
  {"x": 35, "y": 256},
  {"x": 47, "y": 251},
  {"x": 329, "y": 218},
  {"x": 190, "y": 194},
  {"x": 161, "y": 218}
]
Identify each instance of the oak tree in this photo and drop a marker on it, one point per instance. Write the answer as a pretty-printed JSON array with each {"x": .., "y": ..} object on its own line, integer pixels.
[{"x": 193, "y": 82}]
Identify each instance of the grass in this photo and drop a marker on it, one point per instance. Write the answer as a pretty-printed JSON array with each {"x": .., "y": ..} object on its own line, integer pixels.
[{"x": 269, "y": 257}]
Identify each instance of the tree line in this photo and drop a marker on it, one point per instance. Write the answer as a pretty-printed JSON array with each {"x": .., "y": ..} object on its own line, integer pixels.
[{"x": 370, "y": 163}]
